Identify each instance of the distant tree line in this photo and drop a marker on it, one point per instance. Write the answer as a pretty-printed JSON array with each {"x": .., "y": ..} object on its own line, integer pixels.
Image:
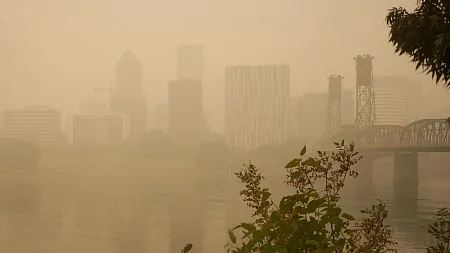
[
  {"x": 18, "y": 154},
  {"x": 213, "y": 154}
]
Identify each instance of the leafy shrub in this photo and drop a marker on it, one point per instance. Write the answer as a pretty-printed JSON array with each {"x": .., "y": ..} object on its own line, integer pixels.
[
  {"x": 440, "y": 230},
  {"x": 310, "y": 220}
]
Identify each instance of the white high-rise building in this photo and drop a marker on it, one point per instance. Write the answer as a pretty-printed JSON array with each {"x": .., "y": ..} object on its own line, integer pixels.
[
  {"x": 40, "y": 125},
  {"x": 394, "y": 98},
  {"x": 256, "y": 105}
]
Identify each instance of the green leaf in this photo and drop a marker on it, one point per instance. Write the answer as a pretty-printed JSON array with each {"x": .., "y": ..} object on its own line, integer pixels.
[
  {"x": 187, "y": 248},
  {"x": 265, "y": 195},
  {"x": 331, "y": 249},
  {"x": 295, "y": 174},
  {"x": 313, "y": 243},
  {"x": 314, "y": 204},
  {"x": 348, "y": 216},
  {"x": 294, "y": 224},
  {"x": 292, "y": 164},
  {"x": 303, "y": 151},
  {"x": 301, "y": 210},
  {"x": 301, "y": 197},
  {"x": 286, "y": 204},
  {"x": 334, "y": 211},
  {"x": 280, "y": 249},
  {"x": 335, "y": 220},
  {"x": 249, "y": 227},
  {"x": 267, "y": 248},
  {"x": 337, "y": 223},
  {"x": 232, "y": 236},
  {"x": 310, "y": 162},
  {"x": 275, "y": 216}
]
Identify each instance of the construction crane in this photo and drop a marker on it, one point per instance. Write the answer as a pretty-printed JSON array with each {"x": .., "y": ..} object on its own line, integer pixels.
[{"x": 98, "y": 89}]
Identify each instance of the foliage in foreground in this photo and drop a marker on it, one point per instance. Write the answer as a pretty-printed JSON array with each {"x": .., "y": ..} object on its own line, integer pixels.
[
  {"x": 310, "y": 220},
  {"x": 440, "y": 230},
  {"x": 423, "y": 35}
]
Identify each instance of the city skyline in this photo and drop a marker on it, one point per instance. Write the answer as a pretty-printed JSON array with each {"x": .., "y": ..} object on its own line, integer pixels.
[
  {"x": 159, "y": 126},
  {"x": 217, "y": 125},
  {"x": 263, "y": 39},
  {"x": 195, "y": 51}
]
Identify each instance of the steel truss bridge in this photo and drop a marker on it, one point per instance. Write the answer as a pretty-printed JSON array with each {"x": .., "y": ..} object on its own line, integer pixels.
[{"x": 426, "y": 135}]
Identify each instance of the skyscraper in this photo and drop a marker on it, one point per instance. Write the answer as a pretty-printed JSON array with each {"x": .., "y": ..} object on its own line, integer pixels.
[
  {"x": 334, "y": 110},
  {"x": 190, "y": 62},
  {"x": 128, "y": 97},
  {"x": 395, "y": 99},
  {"x": 185, "y": 110},
  {"x": 256, "y": 105}
]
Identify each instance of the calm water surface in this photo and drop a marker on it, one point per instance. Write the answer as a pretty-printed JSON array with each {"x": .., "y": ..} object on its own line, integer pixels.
[{"x": 112, "y": 210}]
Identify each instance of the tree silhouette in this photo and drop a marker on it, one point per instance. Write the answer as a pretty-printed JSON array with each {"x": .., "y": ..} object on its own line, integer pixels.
[{"x": 423, "y": 35}]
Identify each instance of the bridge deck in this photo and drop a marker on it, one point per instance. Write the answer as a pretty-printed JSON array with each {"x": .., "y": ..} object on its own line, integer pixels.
[
  {"x": 419, "y": 149},
  {"x": 426, "y": 135}
]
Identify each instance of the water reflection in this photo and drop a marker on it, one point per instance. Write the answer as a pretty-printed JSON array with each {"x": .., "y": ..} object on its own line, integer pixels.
[{"x": 120, "y": 211}]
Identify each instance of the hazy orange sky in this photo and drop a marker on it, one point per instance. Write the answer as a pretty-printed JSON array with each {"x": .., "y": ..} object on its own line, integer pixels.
[{"x": 53, "y": 52}]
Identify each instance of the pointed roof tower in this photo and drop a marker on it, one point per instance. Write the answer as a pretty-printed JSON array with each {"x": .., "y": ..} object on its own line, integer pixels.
[
  {"x": 128, "y": 75},
  {"x": 128, "y": 61}
]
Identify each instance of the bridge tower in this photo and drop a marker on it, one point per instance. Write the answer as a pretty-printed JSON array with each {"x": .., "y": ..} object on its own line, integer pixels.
[
  {"x": 334, "y": 104},
  {"x": 365, "y": 94}
]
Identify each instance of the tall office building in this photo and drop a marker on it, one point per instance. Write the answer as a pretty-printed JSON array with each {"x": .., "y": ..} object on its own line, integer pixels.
[
  {"x": 40, "y": 125},
  {"x": 190, "y": 62},
  {"x": 393, "y": 99},
  {"x": 128, "y": 97},
  {"x": 256, "y": 105},
  {"x": 334, "y": 110},
  {"x": 185, "y": 110},
  {"x": 91, "y": 130}
]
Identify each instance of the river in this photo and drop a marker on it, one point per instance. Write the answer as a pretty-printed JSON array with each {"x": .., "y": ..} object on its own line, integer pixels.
[{"x": 98, "y": 210}]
